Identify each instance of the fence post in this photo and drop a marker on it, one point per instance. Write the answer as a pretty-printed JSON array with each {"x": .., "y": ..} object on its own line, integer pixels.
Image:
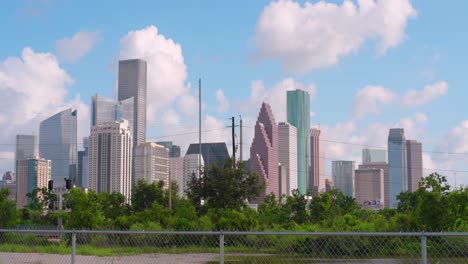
[
  {"x": 423, "y": 248},
  {"x": 221, "y": 247},
  {"x": 73, "y": 245}
]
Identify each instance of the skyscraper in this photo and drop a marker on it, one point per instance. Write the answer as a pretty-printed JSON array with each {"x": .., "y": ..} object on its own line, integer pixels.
[
  {"x": 317, "y": 162},
  {"x": 33, "y": 173},
  {"x": 414, "y": 163},
  {"x": 397, "y": 167},
  {"x": 369, "y": 186},
  {"x": 83, "y": 168},
  {"x": 110, "y": 158},
  {"x": 213, "y": 153},
  {"x": 298, "y": 111},
  {"x": 58, "y": 143},
  {"x": 132, "y": 83},
  {"x": 26, "y": 147},
  {"x": 152, "y": 163},
  {"x": 287, "y": 146},
  {"x": 190, "y": 167},
  {"x": 264, "y": 151},
  {"x": 107, "y": 110},
  {"x": 174, "y": 150},
  {"x": 383, "y": 166},
  {"x": 176, "y": 170},
  {"x": 343, "y": 176},
  {"x": 374, "y": 155}
]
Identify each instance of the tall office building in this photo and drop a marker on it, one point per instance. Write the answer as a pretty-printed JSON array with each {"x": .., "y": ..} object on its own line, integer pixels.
[
  {"x": 317, "y": 162},
  {"x": 343, "y": 176},
  {"x": 26, "y": 147},
  {"x": 83, "y": 168},
  {"x": 397, "y": 167},
  {"x": 414, "y": 163},
  {"x": 174, "y": 150},
  {"x": 193, "y": 164},
  {"x": 287, "y": 146},
  {"x": 264, "y": 156},
  {"x": 152, "y": 163},
  {"x": 107, "y": 110},
  {"x": 374, "y": 155},
  {"x": 33, "y": 173},
  {"x": 298, "y": 112},
  {"x": 176, "y": 170},
  {"x": 132, "y": 83},
  {"x": 328, "y": 185},
  {"x": 58, "y": 143},
  {"x": 213, "y": 153},
  {"x": 369, "y": 186},
  {"x": 381, "y": 166},
  {"x": 110, "y": 158}
]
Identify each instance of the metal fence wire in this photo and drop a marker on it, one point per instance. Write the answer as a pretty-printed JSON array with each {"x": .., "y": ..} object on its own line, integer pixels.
[{"x": 79, "y": 246}]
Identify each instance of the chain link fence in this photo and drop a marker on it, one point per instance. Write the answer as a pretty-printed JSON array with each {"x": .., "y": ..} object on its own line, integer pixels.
[{"x": 54, "y": 246}]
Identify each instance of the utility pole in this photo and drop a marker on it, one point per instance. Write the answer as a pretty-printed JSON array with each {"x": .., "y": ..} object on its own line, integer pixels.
[
  {"x": 199, "y": 128},
  {"x": 240, "y": 143},
  {"x": 233, "y": 141}
]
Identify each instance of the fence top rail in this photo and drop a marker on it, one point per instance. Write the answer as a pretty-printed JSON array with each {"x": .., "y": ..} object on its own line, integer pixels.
[{"x": 236, "y": 233}]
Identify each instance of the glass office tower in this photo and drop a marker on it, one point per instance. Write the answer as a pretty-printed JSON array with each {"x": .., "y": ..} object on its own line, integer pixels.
[
  {"x": 298, "y": 111},
  {"x": 57, "y": 142},
  {"x": 107, "y": 110},
  {"x": 397, "y": 167}
]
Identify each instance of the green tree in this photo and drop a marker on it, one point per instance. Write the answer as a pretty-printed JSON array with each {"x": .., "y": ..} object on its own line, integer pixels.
[
  {"x": 228, "y": 186},
  {"x": 86, "y": 210},
  {"x": 113, "y": 204},
  {"x": 144, "y": 195},
  {"x": 9, "y": 215}
]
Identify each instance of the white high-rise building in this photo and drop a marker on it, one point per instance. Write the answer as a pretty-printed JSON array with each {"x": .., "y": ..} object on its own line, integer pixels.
[
  {"x": 287, "y": 136},
  {"x": 190, "y": 167},
  {"x": 33, "y": 173},
  {"x": 343, "y": 176},
  {"x": 317, "y": 162},
  {"x": 110, "y": 158},
  {"x": 152, "y": 163},
  {"x": 176, "y": 170}
]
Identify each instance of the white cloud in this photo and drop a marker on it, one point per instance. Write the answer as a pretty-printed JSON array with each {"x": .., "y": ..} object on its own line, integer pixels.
[
  {"x": 222, "y": 104},
  {"x": 33, "y": 88},
  {"x": 166, "y": 68},
  {"x": 70, "y": 50},
  {"x": 316, "y": 35},
  {"x": 368, "y": 99},
  {"x": 426, "y": 95}
]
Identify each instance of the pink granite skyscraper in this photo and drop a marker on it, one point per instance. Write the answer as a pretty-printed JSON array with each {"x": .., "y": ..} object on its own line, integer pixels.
[{"x": 264, "y": 151}]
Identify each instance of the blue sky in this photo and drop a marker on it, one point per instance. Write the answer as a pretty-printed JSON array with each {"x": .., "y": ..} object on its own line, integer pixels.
[{"x": 228, "y": 45}]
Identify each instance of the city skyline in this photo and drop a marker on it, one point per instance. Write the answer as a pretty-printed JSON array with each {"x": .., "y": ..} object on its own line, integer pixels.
[{"x": 402, "y": 80}]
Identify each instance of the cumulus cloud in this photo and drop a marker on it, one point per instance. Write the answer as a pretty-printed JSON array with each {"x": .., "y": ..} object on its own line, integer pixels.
[
  {"x": 70, "y": 50},
  {"x": 167, "y": 72},
  {"x": 316, "y": 35},
  {"x": 369, "y": 99},
  {"x": 34, "y": 87},
  {"x": 426, "y": 95},
  {"x": 222, "y": 104}
]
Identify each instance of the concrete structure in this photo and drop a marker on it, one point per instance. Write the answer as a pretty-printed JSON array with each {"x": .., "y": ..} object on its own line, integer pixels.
[
  {"x": 110, "y": 158},
  {"x": 287, "y": 146},
  {"x": 374, "y": 155},
  {"x": 383, "y": 166},
  {"x": 26, "y": 147},
  {"x": 414, "y": 164},
  {"x": 343, "y": 176},
  {"x": 58, "y": 143},
  {"x": 298, "y": 112},
  {"x": 107, "y": 110},
  {"x": 176, "y": 172},
  {"x": 152, "y": 163},
  {"x": 397, "y": 166},
  {"x": 82, "y": 177},
  {"x": 264, "y": 156},
  {"x": 369, "y": 186},
  {"x": 317, "y": 162},
  {"x": 174, "y": 150},
  {"x": 132, "y": 83},
  {"x": 189, "y": 168},
  {"x": 32, "y": 173},
  {"x": 213, "y": 153}
]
